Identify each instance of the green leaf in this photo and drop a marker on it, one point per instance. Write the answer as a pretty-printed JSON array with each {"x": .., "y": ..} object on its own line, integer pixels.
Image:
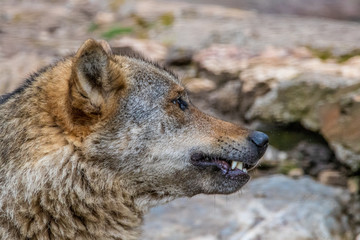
[{"x": 113, "y": 32}]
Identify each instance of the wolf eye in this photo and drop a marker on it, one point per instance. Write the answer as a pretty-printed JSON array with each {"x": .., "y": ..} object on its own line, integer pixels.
[{"x": 181, "y": 103}]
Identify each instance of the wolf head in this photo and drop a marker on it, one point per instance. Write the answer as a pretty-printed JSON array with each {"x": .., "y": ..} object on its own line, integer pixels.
[{"x": 136, "y": 121}]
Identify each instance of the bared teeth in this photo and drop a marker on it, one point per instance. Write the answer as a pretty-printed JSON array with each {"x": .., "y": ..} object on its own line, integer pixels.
[
  {"x": 238, "y": 165},
  {"x": 234, "y": 165}
]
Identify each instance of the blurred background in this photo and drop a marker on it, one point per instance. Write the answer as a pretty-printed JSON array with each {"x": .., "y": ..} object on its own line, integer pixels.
[{"x": 289, "y": 68}]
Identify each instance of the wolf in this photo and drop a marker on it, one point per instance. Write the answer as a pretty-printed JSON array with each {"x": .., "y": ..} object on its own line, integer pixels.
[{"x": 90, "y": 143}]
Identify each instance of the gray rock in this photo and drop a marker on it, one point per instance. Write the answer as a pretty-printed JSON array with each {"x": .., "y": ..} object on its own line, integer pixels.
[
  {"x": 333, "y": 177},
  {"x": 323, "y": 8},
  {"x": 222, "y": 62},
  {"x": 199, "y": 85},
  {"x": 273, "y": 156},
  {"x": 274, "y": 207},
  {"x": 340, "y": 125},
  {"x": 226, "y": 98},
  {"x": 296, "y": 173},
  {"x": 324, "y": 103},
  {"x": 314, "y": 158},
  {"x": 149, "y": 49},
  {"x": 17, "y": 68},
  {"x": 198, "y": 26},
  {"x": 178, "y": 56},
  {"x": 298, "y": 99}
]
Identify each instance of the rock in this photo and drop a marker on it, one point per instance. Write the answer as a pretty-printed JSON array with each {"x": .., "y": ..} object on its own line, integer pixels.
[
  {"x": 226, "y": 98},
  {"x": 273, "y": 157},
  {"x": 179, "y": 56},
  {"x": 332, "y": 177},
  {"x": 123, "y": 7},
  {"x": 346, "y": 155},
  {"x": 102, "y": 18},
  {"x": 199, "y": 85},
  {"x": 222, "y": 62},
  {"x": 354, "y": 184},
  {"x": 294, "y": 100},
  {"x": 288, "y": 86},
  {"x": 314, "y": 157},
  {"x": 321, "y": 103},
  {"x": 207, "y": 237},
  {"x": 320, "y": 8},
  {"x": 340, "y": 126},
  {"x": 296, "y": 173},
  {"x": 221, "y": 102},
  {"x": 189, "y": 19},
  {"x": 353, "y": 212},
  {"x": 266, "y": 71},
  {"x": 274, "y": 207},
  {"x": 17, "y": 68},
  {"x": 245, "y": 29},
  {"x": 149, "y": 49}
]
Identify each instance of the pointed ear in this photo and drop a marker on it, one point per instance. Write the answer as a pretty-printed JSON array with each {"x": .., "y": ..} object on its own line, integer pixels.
[
  {"x": 90, "y": 80},
  {"x": 91, "y": 66}
]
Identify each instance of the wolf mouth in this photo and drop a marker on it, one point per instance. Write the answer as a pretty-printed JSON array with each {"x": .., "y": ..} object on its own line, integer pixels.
[{"x": 229, "y": 167}]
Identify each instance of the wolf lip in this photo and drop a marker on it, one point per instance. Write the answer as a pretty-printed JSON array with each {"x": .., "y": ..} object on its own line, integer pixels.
[{"x": 228, "y": 167}]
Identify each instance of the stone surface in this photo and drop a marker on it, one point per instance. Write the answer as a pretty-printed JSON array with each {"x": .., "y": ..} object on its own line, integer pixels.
[
  {"x": 340, "y": 126},
  {"x": 323, "y": 8},
  {"x": 285, "y": 67},
  {"x": 299, "y": 99},
  {"x": 44, "y": 25},
  {"x": 354, "y": 210},
  {"x": 245, "y": 29},
  {"x": 274, "y": 157},
  {"x": 222, "y": 62},
  {"x": 199, "y": 85},
  {"x": 314, "y": 158},
  {"x": 17, "y": 68},
  {"x": 322, "y": 96},
  {"x": 149, "y": 49},
  {"x": 275, "y": 207},
  {"x": 226, "y": 98},
  {"x": 178, "y": 56},
  {"x": 103, "y": 18},
  {"x": 354, "y": 185},
  {"x": 332, "y": 177},
  {"x": 296, "y": 173}
]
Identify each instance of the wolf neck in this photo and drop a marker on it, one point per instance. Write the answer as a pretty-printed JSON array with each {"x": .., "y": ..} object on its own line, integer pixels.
[{"x": 76, "y": 200}]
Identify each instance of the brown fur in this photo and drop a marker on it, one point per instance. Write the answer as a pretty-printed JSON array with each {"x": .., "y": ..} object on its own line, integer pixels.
[{"x": 90, "y": 143}]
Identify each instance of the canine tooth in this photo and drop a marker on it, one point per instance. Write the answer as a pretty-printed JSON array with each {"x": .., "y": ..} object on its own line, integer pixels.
[
  {"x": 233, "y": 165},
  {"x": 240, "y": 165}
]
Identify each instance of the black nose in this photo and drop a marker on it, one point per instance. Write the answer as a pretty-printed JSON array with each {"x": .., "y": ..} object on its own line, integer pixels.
[{"x": 259, "y": 139}]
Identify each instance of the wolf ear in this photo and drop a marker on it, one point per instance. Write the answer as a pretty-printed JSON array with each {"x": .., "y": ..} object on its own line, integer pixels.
[{"x": 90, "y": 77}]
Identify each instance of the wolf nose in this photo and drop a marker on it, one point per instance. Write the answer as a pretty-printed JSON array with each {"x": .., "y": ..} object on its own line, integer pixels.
[{"x": 259, "y": 139}]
